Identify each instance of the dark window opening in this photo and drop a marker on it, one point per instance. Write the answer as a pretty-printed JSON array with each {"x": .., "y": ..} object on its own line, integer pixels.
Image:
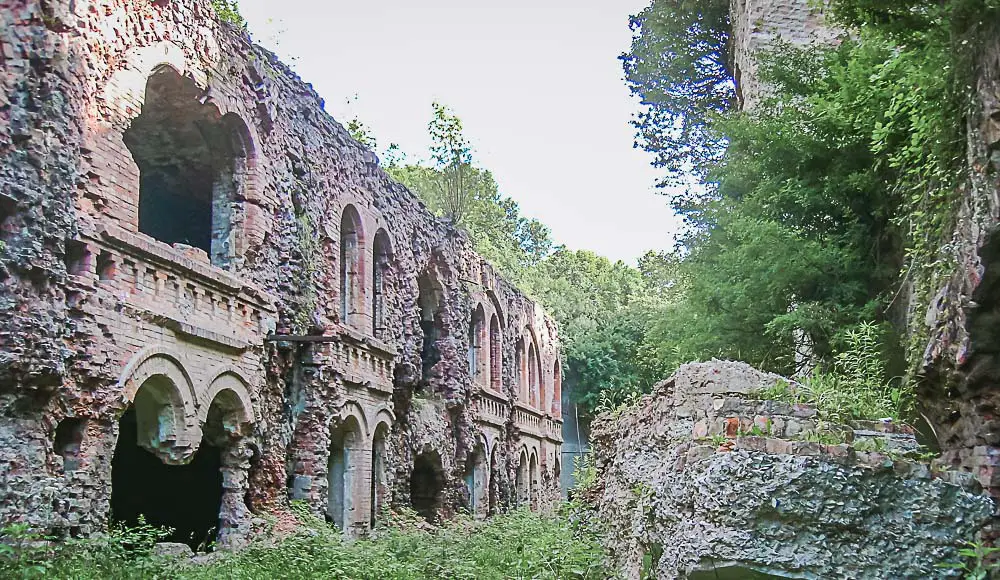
[
  {"x": 68, "y": 441},
  {"x": 430, "y": 302},
  {"x": 426, "y": 483},
  {"x": 7, "y": 208},
  {"x": 382, "y": 251},
  {"x": 192, "y": 166},
  {"x": 186, "y": 498},
  {"x": 77, "y": 257},
  {"x": 106, "y": 267}
]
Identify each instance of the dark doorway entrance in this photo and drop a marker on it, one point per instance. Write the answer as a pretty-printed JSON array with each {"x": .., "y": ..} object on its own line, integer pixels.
[
  {"x": 186, "y": 498},
  {"x": 426, "y": 483}
]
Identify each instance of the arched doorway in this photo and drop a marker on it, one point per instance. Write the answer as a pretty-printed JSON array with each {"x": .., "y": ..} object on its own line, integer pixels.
[
  {"x": 341, "y": 469},
  {"x": 379, "y": 484},
  {"x": 533, "y": 482},
  {"x": 426, "y": 483},
  {"x": 185, "y": 495},
  {"x": 521, "y": 487},
  {"x": 477, "y": 481}
]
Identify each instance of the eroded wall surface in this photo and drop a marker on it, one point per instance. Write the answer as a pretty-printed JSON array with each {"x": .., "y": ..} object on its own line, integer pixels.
[
  {"x": 321, "y": 330},
  {"x": 704, "y": 478}
]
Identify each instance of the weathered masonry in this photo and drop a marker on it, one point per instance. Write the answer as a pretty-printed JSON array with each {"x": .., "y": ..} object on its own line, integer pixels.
[{"x": 214, "y": 300}]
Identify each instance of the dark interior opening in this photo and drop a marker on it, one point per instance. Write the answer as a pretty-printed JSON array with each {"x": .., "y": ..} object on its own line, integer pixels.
[
  {"x": 77, "y": 257},
  {"x": 190, "y": 163},
  {"x": 186, "y": 498},
  {"x": 105, "y": 266},
  {"x": 68, "y": 440},
  {"x": 430, "y": 323},
  {"x": 426, "y": 483},
  {"x": 7, "y": 209}
]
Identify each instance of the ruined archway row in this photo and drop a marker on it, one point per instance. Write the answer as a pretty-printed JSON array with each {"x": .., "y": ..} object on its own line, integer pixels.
[{"x": 227, "y": 266}]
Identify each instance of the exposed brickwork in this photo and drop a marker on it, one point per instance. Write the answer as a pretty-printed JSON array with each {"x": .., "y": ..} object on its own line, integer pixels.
[{"x": 101, "y": 315}]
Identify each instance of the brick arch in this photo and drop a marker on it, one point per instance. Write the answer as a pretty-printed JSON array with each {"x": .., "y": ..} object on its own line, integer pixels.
[
  {"x": 384, "y": 416},
  {"x": 159, "y": 360},
  {"x": 227, "y": 379},
  {"x": 353, "y": 409}
]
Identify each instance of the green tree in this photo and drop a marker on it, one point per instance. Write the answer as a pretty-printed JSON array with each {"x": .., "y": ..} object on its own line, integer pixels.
[{"x": 678, "y": 67}]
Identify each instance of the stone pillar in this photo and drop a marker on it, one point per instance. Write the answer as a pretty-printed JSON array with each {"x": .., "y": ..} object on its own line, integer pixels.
[{"x": 234, "y": 516}]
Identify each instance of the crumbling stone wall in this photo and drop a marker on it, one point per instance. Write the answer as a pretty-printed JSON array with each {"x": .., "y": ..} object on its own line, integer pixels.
[
  {"x": 702, "y": 477},
  {"x": 269, "y": 341},
  {"x": 758, "y": 24}
]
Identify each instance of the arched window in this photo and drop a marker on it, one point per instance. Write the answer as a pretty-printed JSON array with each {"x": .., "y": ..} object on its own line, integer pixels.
[
  {"x": 496, "y": 356},
  {"x": 557, "y": 388},
  {"x": 477, "y": 331},
  {"x": 382, "y": 252},
  {"x": 193, "y": 165},
  {"x": 351, "y": 266},
  {"x": 533, "y": 372},
  {"x": 520, "y": 384}
]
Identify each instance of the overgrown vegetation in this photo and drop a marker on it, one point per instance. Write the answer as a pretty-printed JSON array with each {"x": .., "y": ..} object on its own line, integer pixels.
[
  {"x": 229, "y": 11},
  {"x": 854, "y": 387},
  {"x": 820, "y": 205},
  {"x": 516, "y": 545}
]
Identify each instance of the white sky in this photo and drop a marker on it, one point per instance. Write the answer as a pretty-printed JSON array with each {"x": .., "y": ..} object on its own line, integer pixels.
[{"x": 537, "y": 84}]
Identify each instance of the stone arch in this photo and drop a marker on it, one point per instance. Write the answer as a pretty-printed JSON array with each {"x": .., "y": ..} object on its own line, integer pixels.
[
  {"x": 522, "y": 488},
  {"x": 352, "y": 266},
  {"x": 158, "y": 361},
  {"x": 379, "y": 492},
  {"x": 234, "y": 391},
  {"x": 430, "y": 298},
  {"x": 352, "y": 408},
  {"x": 496, "y": 354},
  {"x": 497, "y": 308},
  {"x": 534, "y": 372},
  {"x": 494, "y": 483},
  {"x": 477, "y": 475},
  {"x": 478, "y": 344},
  {"x": 557, "y": 387}
]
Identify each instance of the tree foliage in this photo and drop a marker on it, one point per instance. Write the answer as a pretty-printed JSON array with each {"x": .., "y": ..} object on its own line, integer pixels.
[{"x": 678, "y": 67}]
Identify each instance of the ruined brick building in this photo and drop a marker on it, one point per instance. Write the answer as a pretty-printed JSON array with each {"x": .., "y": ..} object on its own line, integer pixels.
[{"x": 213, "y": 299}]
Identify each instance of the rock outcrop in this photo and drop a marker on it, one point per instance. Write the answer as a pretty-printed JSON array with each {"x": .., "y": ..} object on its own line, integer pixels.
[{"x": 703, "y": 478}]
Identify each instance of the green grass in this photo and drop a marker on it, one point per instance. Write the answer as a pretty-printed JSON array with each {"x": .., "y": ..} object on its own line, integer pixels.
[{"x": 516, "y": 545}]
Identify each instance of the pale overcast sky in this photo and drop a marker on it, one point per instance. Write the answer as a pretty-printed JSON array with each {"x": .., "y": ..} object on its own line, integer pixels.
[{"x": 537, "y": 84}]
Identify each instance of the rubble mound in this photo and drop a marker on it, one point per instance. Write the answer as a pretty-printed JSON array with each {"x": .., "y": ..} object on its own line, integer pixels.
[{"x": 703, "y": 479}]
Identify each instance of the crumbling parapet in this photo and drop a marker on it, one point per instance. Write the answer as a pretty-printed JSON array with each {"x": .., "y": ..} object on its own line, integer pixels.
[{"x": 702, "y": 476}]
